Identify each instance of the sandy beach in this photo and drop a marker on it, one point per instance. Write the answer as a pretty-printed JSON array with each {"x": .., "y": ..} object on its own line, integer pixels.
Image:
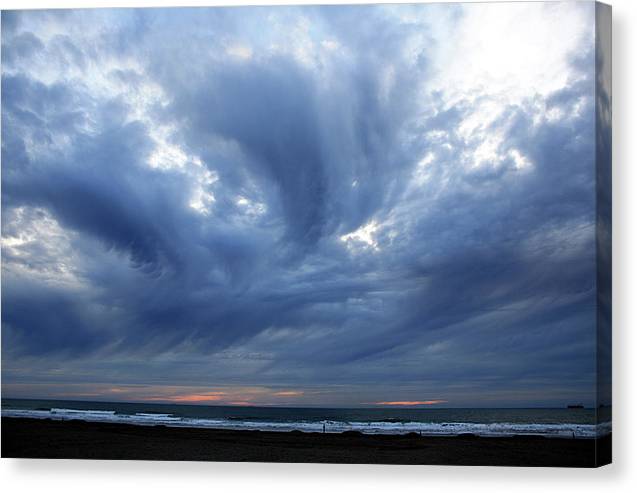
[{"x": 36, "y": 438}]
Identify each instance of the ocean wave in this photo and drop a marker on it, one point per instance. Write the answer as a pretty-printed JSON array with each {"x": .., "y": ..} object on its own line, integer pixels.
[
  {"x": 82, "y": 412},
  {"x": 369, "y": 427},
  {"x": 155, "y": 417}
]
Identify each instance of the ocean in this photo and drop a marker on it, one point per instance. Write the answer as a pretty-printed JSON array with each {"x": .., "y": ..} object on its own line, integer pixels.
[{"x": 575, "y": 423}]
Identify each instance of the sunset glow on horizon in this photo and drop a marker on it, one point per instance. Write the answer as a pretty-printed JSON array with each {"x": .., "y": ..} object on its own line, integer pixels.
[
  {"x": 231, "y": 397},
  {"x": 211, "y": 397},
  {"x": 410, "y": 403}
]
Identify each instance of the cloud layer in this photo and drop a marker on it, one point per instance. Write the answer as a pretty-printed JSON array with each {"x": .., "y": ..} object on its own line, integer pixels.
[{"x": 332, "y": 205}]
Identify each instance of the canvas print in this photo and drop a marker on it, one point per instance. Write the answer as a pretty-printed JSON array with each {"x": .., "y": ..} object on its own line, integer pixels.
[{"x": 347, "y": 234}]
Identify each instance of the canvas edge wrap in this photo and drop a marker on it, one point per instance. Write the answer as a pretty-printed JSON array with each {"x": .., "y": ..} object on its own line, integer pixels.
[{"x": 603, "y": 222}]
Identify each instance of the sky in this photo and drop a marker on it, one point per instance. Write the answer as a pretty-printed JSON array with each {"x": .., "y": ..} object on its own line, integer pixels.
[{"x": 388, "y": 205}]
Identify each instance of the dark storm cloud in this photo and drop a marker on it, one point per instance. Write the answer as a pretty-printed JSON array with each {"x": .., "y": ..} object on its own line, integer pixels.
[
  {"x": 58, "y": 322},
  {"x": 306, "y": 134},
  {"x": 481, "y": 277}
]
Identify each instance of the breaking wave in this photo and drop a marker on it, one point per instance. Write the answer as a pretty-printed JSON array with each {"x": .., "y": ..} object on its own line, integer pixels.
[{"x": 389, "y": 427}]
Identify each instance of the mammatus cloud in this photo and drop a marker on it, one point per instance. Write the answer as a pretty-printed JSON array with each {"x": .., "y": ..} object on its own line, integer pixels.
[{"x": 339, "y": 205}]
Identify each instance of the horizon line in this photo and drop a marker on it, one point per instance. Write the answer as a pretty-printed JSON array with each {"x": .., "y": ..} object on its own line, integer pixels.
[{"x": 308, "y": 406}]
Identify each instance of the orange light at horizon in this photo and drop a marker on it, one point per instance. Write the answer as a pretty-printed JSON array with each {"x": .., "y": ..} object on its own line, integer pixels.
[
  {"x": 195, "y": 398},
  {"x": 199, "y": 397},
  {"x": 409, "y": 403},
  {"x": 288, "y": 393}
]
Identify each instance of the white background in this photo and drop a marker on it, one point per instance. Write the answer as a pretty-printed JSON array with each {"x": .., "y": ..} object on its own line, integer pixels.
[{"x": 180, "y": 477}]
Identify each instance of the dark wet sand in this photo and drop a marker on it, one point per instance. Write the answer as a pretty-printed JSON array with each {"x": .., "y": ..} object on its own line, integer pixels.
[{"x": 35, "y": 438}]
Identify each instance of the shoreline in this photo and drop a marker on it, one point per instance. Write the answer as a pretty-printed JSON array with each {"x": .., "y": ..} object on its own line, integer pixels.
[
  {"x": 498, "y": 423},
  {"x": 46, "y": 438}
]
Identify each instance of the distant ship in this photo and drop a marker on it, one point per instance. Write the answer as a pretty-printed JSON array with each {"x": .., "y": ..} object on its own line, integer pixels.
[{"x": 575, "y": 406}]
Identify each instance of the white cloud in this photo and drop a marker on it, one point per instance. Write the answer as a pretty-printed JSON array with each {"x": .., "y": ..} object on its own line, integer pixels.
[
  {"x": 362, "y": 237},
  {"x": 37, "y": 247},
  {"x": 512, "y": 50},
  {"x": 503, "y": 55},
  {"x": 240, "y": 51}
]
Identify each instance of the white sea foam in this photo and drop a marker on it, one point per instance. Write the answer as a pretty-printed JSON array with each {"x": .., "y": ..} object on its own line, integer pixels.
[
  {"x": 82, "y": 412},
  {"x": 371, "y": 427},
  {"x": 150, "y": 419}
]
